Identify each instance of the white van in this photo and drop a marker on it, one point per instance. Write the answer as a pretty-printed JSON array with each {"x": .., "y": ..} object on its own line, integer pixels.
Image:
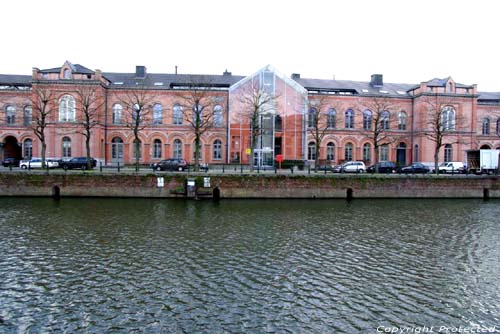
[{"x": 452, "y": 167}]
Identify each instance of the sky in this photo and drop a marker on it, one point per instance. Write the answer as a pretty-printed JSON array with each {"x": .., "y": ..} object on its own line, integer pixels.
[{"x": 406, "y": 41}]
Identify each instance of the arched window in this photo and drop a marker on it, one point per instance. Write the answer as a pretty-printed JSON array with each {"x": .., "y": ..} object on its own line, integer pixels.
[
  {"x": 198, "y": 113},
  {"x": 138, "y": 113},
  {"x": 384, "y": 152},
  {"x": 157, "y": 114},
  {"x": 331, "y": 118},
  {"x": 367, "y": 120},
  {"x": 384, "y": 120},
  {"x": 28, "y": 148},
  {"x": 66, "y": 147},
  {"x": 498, "y": 126},
  {"x": 177, "y": 149},
  {"x": 137, "y": 149},
  {"x": 330, "y": 151},
  {"x": 157, "y": 149},
  {"x": 312, "y": 119},
  {"x": 218, "y": 118},
  {"x": 367, "y": 152},
  {"x": 67, "y": 74},
  {"x": 67, "y": 110},
  {"x": 117, "y": 113},
  {"x": 200, "y": 150},
  {"x": 311, "y": 151},
  {"x": 349, "y": 119},
  {"x": 348, "y": 152},
  {"x": 417, "y": 153},
  {"x": 10, "y": 113},
  {"x": 485, "y": 147},
  {"x": 278, "y": 123},
  {"x": 448, "y": 118},
  {"x": 177, "y": 117},
  {"x": 402, "y": 120},
  {"x": 448, "y": 153},
  {"x": 486, "y": 126},
  {"x": 217, "y": 150},
  {"x": 117, "y": 149},
  {"x": 28, "y": 116}
]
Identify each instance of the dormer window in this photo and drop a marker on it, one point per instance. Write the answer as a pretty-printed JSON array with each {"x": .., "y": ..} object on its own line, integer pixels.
[{"x": 67, "y": 74}]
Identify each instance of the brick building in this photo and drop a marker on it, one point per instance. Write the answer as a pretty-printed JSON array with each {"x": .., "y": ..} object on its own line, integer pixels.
[{"x": 349, "y": 119}]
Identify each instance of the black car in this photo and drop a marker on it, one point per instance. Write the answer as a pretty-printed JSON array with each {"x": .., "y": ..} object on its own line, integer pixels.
[
  {"x": 385, "y": 167},
  {"x": 416, "y": 168},
  {"x": 10, "y": 161},
  {"x": 77, "y": 163},
  {"x": 171, "y": 164}
]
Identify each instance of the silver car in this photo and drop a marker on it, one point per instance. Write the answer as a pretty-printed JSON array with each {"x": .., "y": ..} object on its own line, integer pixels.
[{"x": 37, "y": 163}]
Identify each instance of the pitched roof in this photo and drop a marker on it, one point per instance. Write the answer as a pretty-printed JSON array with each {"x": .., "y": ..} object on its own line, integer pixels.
[
  {"x": 356, "y": 87},
  {"x": 75, "y": 68},
  {"x": 436, "y": 82},
  {"x": 15, "y": 79},
  {"x": 168, "y": 81}
]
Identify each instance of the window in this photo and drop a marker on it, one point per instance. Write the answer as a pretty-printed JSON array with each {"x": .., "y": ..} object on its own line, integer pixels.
[
  {"x": 198, "y": 113},
  {"x": 367, "y": 120},
  {"x": 486, "y": 126},
  {"x": 402, "y": 120},
  {"x": 278, "y": 123},
  {"x": 177, "y": 149},
  {"x": 28, "y": 148},
  {"x": 177, "y": 115},
  {"x": 117, "y": 149},
  {"x": 367, "y": 152},
  {"x": 417, "y": 153},
  {"x": 498, "y": 127},
  {"x": 349, "y": 119},
  {"x": 217, "y": 150},
  {"x": 67, "y": 74},
  {"x": 137, "y": 149},
  {"x": 384, "y": 152},
  {"x": 10, "y": 112},
  {"x": 448, "y": 118},
  {"x": 117, "y": 114},
  {"x": 312, "y": 118},
  {"x": 331, "y": 118},
  {"x": 311, "y": 151},
  {"x": 200, "y": 149},
  {"x": 448, "y": 153},
  {"x": 157, "y": 149},
  {"x": 348, "y": 152},
  {"x": 66, "y": 147},
  {"x": 67, "y": 109},
  {"x": 218, "y": 119},
  {"x": 330, "y": 151},
  {"x": 137, "y": 114},
  {"x": 157, "y": 114},
  {"x": 385, "y": 120},
  {"x": 28, "y": 116}
]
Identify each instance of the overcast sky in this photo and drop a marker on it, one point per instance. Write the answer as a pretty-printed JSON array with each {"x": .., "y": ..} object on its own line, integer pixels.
[{"x": 406, "y": 41}]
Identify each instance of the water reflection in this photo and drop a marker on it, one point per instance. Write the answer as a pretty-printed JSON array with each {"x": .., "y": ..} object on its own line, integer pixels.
[{"x": 249, "y": 266}]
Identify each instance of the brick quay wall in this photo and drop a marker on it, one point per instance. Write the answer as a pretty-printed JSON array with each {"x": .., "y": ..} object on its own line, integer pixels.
[{"x": 91, "y": 184}]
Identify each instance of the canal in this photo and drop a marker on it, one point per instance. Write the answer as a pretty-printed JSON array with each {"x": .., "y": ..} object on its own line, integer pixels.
[{"x": 247, "y": 266}]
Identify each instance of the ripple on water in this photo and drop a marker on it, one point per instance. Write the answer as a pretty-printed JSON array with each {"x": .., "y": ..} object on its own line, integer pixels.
[{"x": 246, "y": 266}]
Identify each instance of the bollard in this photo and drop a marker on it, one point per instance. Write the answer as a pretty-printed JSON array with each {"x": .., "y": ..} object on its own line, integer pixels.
[
  {"x": 223, "y": 169},
  {"x": 309, "y": 169},
  {"x": 291, "y": 170},
  {"x": 118, "y": 166},
  {"x": 100, "y": 166},
  {"x": 241, "y": 169}
]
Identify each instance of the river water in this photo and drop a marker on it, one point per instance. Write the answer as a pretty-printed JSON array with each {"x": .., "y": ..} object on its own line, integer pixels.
[{"x": 247, "y": 266}]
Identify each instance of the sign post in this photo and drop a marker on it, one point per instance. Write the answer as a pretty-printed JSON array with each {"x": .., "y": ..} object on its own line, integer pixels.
[{"x": 279, "y": 159}]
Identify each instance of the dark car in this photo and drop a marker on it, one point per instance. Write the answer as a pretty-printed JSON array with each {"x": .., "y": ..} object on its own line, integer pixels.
[
  {"x": 77, "y": 163},
  {"x": 385, "y": 167},
  {"x": 416, "y": 168},
  {"x": 11, "y": 161},
  {"x": 171, "y": 164}
]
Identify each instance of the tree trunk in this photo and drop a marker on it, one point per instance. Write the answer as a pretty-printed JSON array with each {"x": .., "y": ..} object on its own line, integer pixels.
[
  {"x": 87, "y": 147},
  {"x": 44, "y": 148}
]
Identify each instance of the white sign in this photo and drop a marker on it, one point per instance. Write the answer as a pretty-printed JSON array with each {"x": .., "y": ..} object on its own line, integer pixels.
[{"x": 160, "y": 182}]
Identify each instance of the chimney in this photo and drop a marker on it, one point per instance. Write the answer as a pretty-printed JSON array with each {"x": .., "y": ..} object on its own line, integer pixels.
[
  {"x": 226, "y": 73},
  {"x": 140, "y": 71},
  {"x": 175, "y": 69},
  {"x": 377, "y": 80},
  {"x": 295, "y": 76},
  {"x": 98, "y": 75}
]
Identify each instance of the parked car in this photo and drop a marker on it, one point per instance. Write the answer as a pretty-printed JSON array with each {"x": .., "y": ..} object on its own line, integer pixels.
[
  {"x": 171, "y": 164},
  {"x": 77, "y": 163},
  {"x": 350, "y": 167},
  {"x": 452, "y": 167},
  {"x": 383, "y": 167},
  {"x": 416, "y": 168},
  {"x": 37, "y": 163},
  {"x": 10, "y": 161}
]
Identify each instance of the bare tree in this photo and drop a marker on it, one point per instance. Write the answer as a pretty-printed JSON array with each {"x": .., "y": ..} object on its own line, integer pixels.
[
  {"x": 90, "y": 103},
  {"x": 256, "y": 103},
  {"x": 377, "y": 113},
  {"x": 442, "y": 124},
  {"x": 137, "y": 115},
  {"x": 320, "y": 119},
  {"x": 41, "y": 111},
  {"x": 197, "y": 107}
]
